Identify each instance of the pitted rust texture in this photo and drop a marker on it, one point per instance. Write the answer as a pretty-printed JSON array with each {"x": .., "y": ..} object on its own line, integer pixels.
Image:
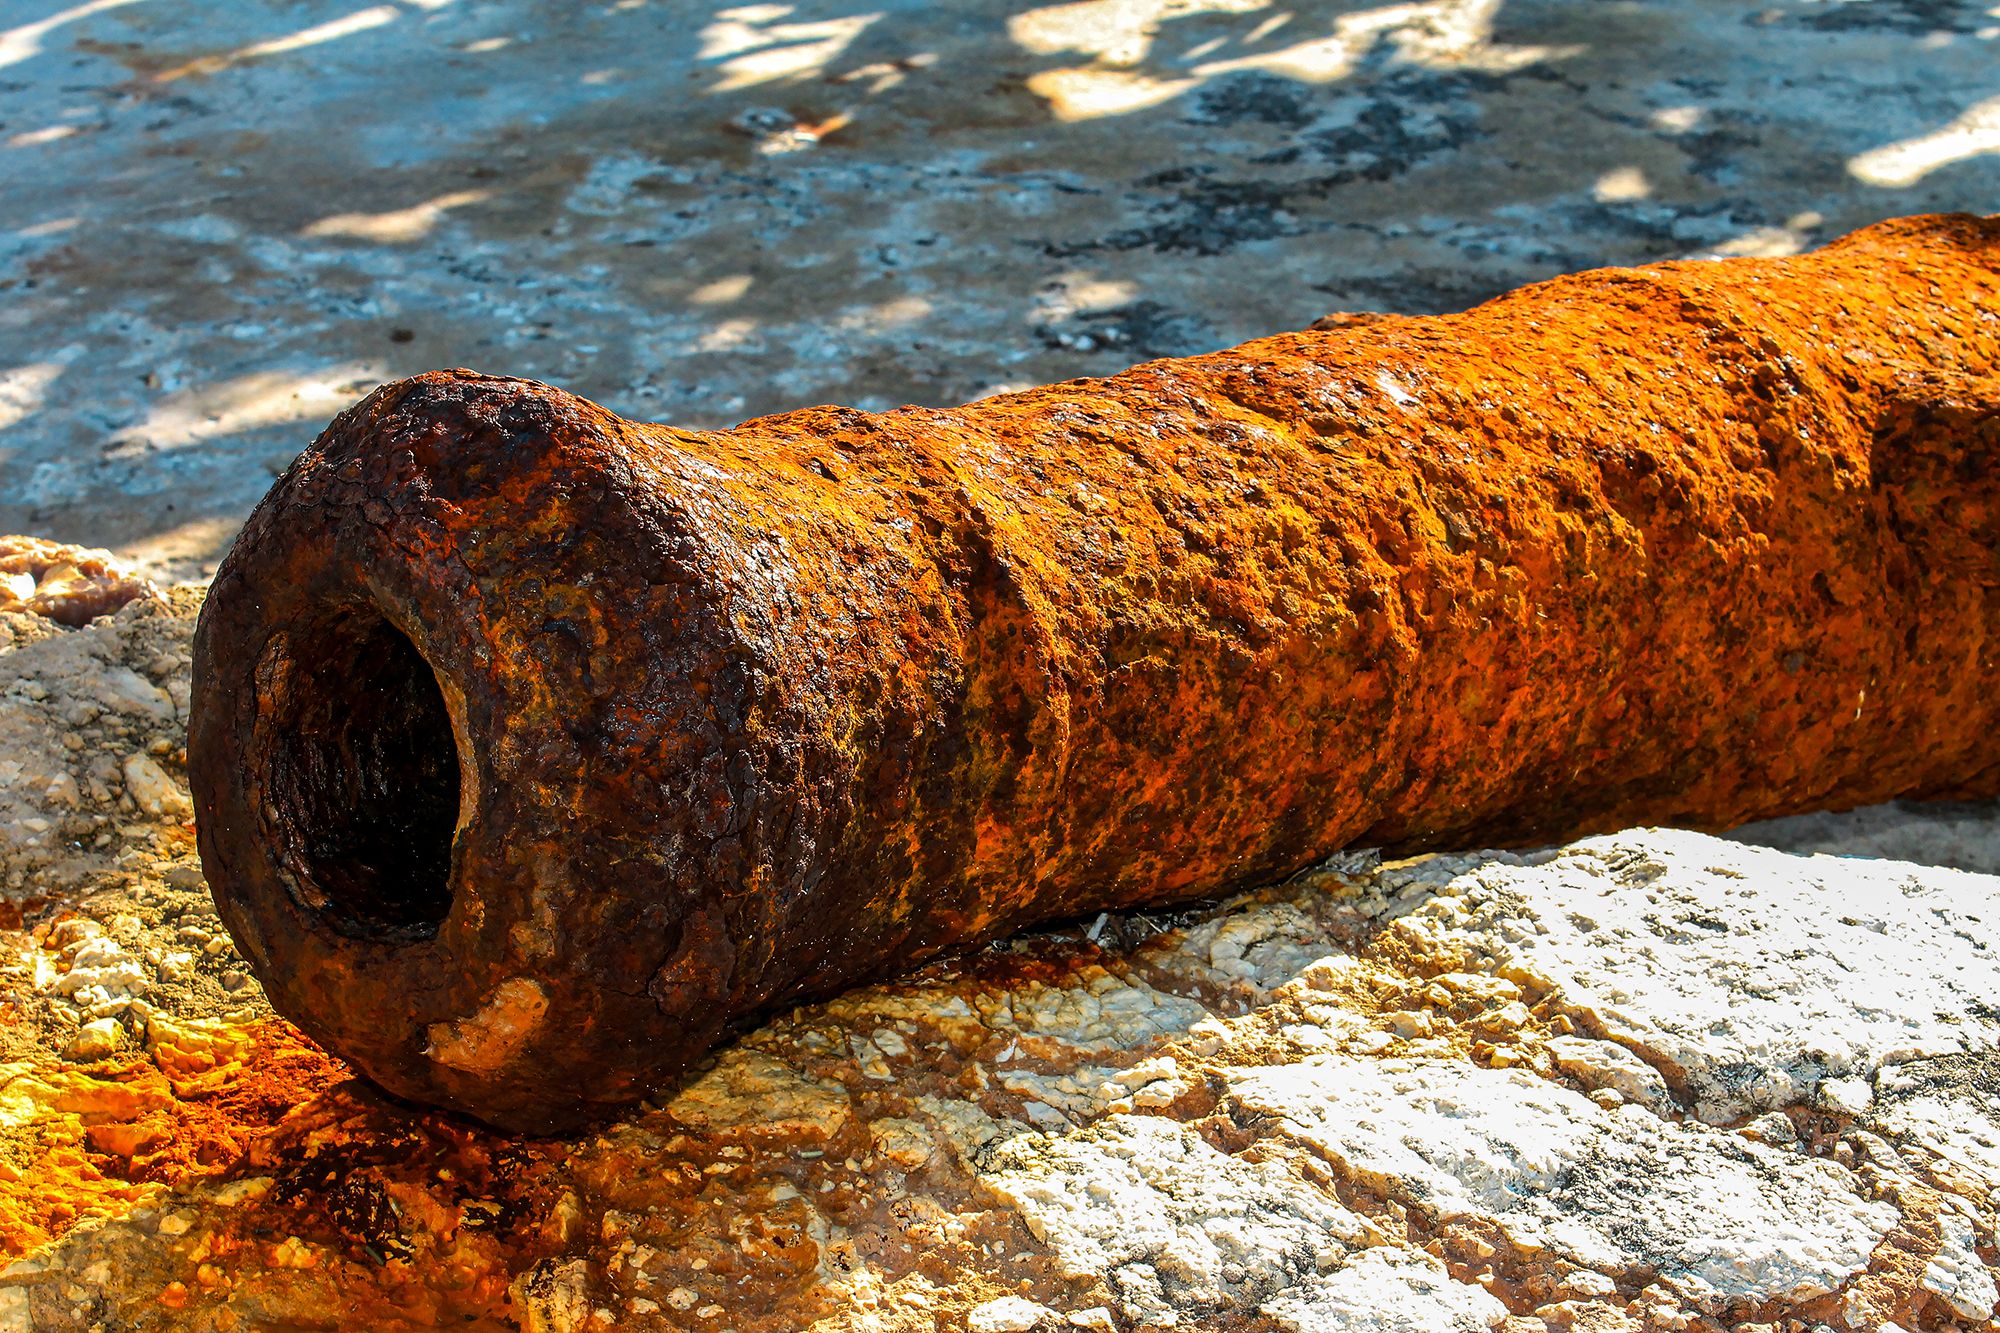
[{"x": 723, "y": 720}]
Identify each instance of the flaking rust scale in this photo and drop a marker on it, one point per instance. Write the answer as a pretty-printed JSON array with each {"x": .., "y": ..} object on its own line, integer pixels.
[{"x": 533, "y": 748}]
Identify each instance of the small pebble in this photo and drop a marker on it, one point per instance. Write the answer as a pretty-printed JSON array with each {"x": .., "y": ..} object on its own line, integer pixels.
[
  {"x": 1852, "y": 1096},
  {"x": 1775, "y": 1128},
  {"x": 1008, "y": 1314},
  {"x": 95, "y": 1040}
]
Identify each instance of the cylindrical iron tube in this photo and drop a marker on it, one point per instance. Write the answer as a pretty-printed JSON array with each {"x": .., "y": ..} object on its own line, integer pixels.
[{"x": 533, "y": 748}]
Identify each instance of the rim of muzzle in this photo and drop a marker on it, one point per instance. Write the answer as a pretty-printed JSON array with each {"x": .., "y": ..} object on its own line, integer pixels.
[{"x": 392, "y": 827}]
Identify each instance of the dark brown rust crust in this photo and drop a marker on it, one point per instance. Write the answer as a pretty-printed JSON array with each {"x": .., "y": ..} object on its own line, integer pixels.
[{"x": 753, "y": 715}]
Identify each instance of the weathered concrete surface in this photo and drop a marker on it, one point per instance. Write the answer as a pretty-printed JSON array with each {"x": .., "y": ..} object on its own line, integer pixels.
[
  {"x": 218, "y": 223},
  {"x": 1653, "y": 1080}
]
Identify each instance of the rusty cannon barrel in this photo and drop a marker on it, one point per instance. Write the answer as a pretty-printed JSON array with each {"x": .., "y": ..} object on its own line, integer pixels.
[{"x": 533, "y": 749}]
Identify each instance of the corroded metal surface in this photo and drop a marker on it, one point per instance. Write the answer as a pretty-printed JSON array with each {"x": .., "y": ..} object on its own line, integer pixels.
[{"x": 532, "y": 747}]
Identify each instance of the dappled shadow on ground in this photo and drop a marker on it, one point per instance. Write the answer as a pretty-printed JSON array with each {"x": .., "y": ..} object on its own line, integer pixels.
[{"x": 699, "y": 214}]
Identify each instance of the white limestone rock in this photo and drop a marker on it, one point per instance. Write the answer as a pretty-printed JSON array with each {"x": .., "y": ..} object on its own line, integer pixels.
[
  {"x": 903, "y": 1142},
  {"x": 966, "y": 1128},
  {"x": 1960, "y": 834},
  {"x": 1950, "y": 1109},
  {"x": 1603, "y": 1064},
  {"x": 1389, "y": 1289},
  {"x": 1180, "y": 1231},
  {"x": 1099, "y": 1011},
  {"x": 153, "y": 790},
  {"x": 1719, "y": 1220},
  {"x": 95, "y": 1040},
  {"x": 553, "y": 1297},
  {"x": 1253, "y": 951},
  {"x": 1008, "y": 1314},
  {"x": 1956, "y": 1274},
  {"x": 1749, "y": 976},
  {"x": 1091, "y": 1091},
  {"x": 91, "y": 720},
  {"x": 749, "y": 1090},
  {"x": 99, "y": 976}
]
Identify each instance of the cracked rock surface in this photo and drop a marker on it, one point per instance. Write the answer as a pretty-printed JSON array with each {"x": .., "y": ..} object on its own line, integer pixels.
[
  {"x": 1617, "y": 1191},
  {"x": 1653, "y": 1080},
  {"x": 1751, "y": 979}
]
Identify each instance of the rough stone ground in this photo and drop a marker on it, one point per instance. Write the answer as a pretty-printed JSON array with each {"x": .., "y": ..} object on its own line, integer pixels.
[{"x": 1654, "y": 1080}]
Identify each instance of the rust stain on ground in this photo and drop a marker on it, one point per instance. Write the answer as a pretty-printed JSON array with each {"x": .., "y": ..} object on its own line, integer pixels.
[{"x": 94, "y": 1140}]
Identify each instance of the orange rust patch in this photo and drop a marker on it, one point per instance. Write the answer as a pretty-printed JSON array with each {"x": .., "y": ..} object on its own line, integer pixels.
[
  {"x": 107, "y": 1140},
  {"x": 218, "y": 1108}
]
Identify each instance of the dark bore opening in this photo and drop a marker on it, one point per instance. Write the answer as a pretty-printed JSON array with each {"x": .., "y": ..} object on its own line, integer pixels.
[{"x": 362, "y": 783}]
